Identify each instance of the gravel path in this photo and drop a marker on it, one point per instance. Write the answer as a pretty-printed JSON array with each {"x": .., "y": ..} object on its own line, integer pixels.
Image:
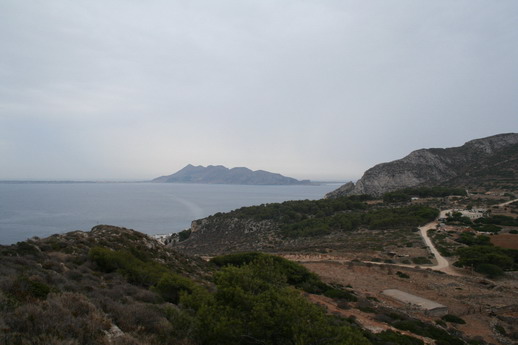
[{"x": 443, "y": 264}]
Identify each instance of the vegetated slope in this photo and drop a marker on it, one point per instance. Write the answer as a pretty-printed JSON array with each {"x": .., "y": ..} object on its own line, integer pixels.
[
  {"x": 97, "y": 287},
  {"x": 117, "y": 286},
  {"x": 296, "y": 225},
  {"x": 487, "y": 161},
  {"x": 497, "y": 171},
  {"x": 222, "y": 175}
]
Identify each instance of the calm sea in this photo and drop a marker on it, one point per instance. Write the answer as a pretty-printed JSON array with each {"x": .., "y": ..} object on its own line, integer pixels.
[{"x": 43, "y": 209}]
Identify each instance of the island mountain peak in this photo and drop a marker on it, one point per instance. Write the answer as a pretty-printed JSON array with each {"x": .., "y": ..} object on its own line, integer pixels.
[{"x": 218, "y": 174}]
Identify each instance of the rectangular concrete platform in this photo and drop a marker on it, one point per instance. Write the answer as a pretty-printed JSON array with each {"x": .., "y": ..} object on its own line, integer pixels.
[{"x": 427, "y": 306}]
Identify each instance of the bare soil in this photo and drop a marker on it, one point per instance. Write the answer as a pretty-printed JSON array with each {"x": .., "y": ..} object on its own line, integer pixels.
[
  {"x": 508, "y": 241},
  {"x": 480, "y": 302}
]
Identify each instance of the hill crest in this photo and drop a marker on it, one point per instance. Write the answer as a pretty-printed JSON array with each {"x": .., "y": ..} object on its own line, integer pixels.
[
  {"x": 471, "y": 164},
  {"x": 218, "y": 174}
]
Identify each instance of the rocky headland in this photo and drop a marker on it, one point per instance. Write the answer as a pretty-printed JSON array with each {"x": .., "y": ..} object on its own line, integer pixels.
[{"x": 476, "y": 162}]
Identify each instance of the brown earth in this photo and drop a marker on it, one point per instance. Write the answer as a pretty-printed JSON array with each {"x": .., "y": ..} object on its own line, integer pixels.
[
  {"x": 480, "y": 302},
  {"x": 509, "y": 241}
]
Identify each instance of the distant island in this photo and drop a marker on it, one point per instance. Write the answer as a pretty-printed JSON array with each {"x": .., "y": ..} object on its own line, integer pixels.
[{"x": 218, "y": 174}]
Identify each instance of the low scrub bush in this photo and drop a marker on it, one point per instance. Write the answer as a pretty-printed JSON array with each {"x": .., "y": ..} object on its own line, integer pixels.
[
  {"x": 296, "y": 275},
  {"x": 427, "y": 330},
  {"x": 453, "y": 319},
  {"x": 489, "y": 270},
  {"x": 488, "y": 228},
  {"x": 402, "y": 275},
  {"x": 340, "y": 294},
  {"x": 66, "y": 316},
  {"x": 488, "y": 260},
  {"x": 171, "y": 285},
  {"x": 391, "y": 337},
  {"x": 136, "y": 270},
  {"x": 255, "y": 305},
  {"x": 183, "y": 235},
  {"x": 27, "y": 289},
  {"x": 421, "y": 260}
]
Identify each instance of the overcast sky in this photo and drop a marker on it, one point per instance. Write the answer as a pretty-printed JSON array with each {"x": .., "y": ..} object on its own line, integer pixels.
[{"x": 319, "y": 89}]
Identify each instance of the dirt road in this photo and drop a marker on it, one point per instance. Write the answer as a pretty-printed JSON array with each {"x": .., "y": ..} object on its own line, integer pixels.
[
  {"x": 507, "y": 203},
  {"x": 443, "y": 264}
]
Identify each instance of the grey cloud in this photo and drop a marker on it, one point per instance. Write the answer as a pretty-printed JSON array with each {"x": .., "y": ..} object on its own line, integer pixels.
[{"x": 130, "y": 89}]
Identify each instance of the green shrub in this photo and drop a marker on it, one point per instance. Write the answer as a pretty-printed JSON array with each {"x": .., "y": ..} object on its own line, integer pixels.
[
  {"x": 236, "y": 259},
  {"x": 396, "y": 197},
  {"x": 296, "y": 275},
  {"x": 183, "y": 235},
  {"x": 104, "y": 258},
  {"x": 427, "y": 330},
  {"x": 498, "y": 220},
  {"x": 470, "y": 239},
  {"x": 421, "y": 260},
  {"x": 340, "y": 294},
  {"x": 453, "y": 319},
  {"x": 441, "y": 323},
  {"x": 136, "y": 271},
  {"x": 488, "y": 228},
  {"x": 477, "y": 255},
  {"x": 28, "y": 289},
  {"x": 500, "y": 330},
  {"x": 183, "y": 321},
  {"x": 402, "y": 275},
  {"x": 254, "y": 305},
  {"x": 171, "y": 285},
  {"x": 489, "y": 270},
  {"x": 391, "y": 337},
  {"x": 367, "y": 309},
  {"x": 444, "y": 251},
  {"x": 25, "y": 248}
]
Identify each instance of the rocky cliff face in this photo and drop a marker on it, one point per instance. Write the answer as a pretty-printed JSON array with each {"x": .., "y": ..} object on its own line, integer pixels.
[
  {"x": 214, "y": 236},
  {"x": 430, "y": 167}
]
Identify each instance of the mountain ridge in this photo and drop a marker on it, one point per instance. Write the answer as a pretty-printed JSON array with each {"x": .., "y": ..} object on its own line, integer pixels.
[
  {"x": 219, "y": 174},
  {"x": 440, "y": 166}
]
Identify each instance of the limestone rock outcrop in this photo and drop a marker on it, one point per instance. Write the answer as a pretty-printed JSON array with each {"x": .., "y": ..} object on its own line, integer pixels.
[{"x": 476, "y": 159}]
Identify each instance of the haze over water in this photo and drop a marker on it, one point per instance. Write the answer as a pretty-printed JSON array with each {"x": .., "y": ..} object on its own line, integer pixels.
[{"x": 43, "y": 209}]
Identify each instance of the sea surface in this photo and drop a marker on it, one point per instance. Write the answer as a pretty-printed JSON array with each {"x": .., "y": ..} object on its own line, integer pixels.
[{"x": 43, "y": 209}]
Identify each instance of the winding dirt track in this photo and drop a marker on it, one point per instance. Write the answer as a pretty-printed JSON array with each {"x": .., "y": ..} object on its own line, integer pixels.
[{"x": 443, "y": 264}]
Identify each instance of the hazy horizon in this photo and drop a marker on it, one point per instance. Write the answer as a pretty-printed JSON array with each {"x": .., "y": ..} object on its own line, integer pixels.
[{"x": 320, "y": 90}]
